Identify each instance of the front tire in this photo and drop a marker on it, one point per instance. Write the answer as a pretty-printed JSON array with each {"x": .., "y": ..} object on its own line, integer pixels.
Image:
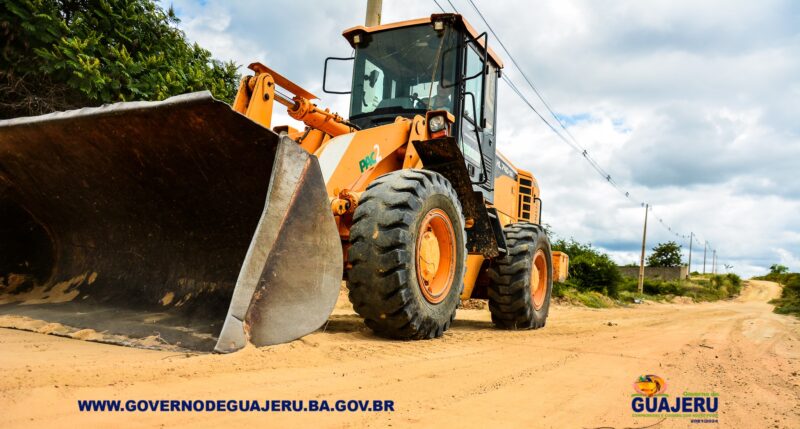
[
  {"x": 521, "y": 282},
  {"x": 407, "y": 255}
]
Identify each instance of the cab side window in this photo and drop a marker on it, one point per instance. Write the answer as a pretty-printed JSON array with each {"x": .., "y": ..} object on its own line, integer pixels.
[{"x": 473, "y": 66}]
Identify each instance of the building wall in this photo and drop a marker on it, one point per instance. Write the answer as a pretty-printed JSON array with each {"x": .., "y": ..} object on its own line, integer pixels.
[{"x": 657, "y": 273}]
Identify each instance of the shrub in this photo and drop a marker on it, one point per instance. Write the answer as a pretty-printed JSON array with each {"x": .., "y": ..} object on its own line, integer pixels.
[
  {"x": 730, "y": 284},
  {"x": 789, "y": 302},
  {"x": 653, "y": 287},
  {"x": 589, "y": 269}
]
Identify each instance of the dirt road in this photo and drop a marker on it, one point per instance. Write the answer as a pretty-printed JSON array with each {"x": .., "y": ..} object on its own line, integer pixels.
[{"x": 577, "y": 372}]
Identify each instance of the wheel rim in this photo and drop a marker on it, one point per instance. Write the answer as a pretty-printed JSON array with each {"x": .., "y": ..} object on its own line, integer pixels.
[
  {"x": 436, "y": 250},
  {"x": 539, "y": 279}
]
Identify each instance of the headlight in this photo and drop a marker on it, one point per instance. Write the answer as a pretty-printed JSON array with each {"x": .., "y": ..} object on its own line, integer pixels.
[{"x": 436, "y": 123}]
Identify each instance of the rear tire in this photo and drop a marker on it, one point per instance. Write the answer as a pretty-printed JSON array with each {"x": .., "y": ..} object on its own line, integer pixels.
[
  {"x": 407, "y": 255},
  {"x": 522, "y": 281}
]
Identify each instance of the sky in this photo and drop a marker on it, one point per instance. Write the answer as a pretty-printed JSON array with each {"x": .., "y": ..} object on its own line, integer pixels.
[{"x": 692, "y": 107}]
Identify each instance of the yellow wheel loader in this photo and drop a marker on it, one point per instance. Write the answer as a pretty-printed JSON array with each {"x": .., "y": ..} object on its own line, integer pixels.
[{"x": 193, "y": 221}]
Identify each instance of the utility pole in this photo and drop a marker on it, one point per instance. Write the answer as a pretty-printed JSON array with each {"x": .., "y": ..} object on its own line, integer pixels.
[
  {"x": 689, "y": 271},
  {"x": 705, "y": 246},
  {"x": 374, "y": 12},
  {"x": 644, "y": 243},
  {"x": 714, "y": 263}
]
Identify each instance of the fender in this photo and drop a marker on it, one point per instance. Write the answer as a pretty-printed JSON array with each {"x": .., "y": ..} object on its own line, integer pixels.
[{"x": 484, "y": 233}]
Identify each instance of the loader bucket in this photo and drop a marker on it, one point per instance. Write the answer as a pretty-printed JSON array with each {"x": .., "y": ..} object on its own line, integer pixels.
[{"x": 178, "y": 223}]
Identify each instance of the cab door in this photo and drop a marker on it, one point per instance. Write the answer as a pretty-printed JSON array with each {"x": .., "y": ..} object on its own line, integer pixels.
[{"x": 477, "y": 134}]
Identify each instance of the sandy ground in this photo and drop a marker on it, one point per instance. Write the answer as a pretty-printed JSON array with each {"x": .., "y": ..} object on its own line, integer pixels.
[{"x": 575, "y": 373}]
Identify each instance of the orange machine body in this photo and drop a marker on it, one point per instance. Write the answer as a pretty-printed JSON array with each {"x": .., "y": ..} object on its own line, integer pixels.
[{"x": 350, "y": 159}]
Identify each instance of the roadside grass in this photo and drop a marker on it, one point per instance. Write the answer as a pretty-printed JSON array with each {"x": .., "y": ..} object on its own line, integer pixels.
[
  {"x": 705, "y": 288},
  {"x": 789, "y": 302},
  {"x": 591, "y": 299}
]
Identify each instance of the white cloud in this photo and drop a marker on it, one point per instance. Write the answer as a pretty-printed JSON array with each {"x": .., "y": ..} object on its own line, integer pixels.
[
  {"x": 692, "y": 106},
  {"x": 788, "y": 258}
]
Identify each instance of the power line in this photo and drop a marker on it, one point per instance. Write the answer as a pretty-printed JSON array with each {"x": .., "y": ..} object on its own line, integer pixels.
[
  {"x": 584, "y": 152},
  {"x": 521, "y": 71},
  {"x": 572, "y": 141}
]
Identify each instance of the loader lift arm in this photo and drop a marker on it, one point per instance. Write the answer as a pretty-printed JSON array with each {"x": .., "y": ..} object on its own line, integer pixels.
[{"x": 257, "y": 95}]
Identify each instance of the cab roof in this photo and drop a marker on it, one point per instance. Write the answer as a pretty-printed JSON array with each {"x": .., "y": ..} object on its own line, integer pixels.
[{"x": 459, "y": 21}]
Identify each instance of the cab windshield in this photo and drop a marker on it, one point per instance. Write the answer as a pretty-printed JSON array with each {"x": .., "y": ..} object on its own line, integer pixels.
[{"x": 403, "y": 72}]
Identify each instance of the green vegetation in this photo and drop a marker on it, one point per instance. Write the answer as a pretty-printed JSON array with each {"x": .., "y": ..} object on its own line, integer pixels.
[
  {"x": 590, "y": 299},
  {"x": 665, "y": 255},
  {"x": 711, "y": 287},
  {"x": 62, "y": 54},
  {"x": 589, "y": 269},
  {"x": 776, "y": 269},
  {"x": 595, "y": 281},
  {"x": 789, "y": 302}
]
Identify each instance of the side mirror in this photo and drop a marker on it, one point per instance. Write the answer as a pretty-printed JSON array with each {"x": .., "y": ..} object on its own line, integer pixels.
[
  {"x": 485, "y": 38},
  {"x": 442, "y": 62},
  {"x": 325, "y": 75}
]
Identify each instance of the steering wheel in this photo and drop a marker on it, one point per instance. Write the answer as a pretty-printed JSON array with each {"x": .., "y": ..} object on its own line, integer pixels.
[{"x": 416, "y": 100}]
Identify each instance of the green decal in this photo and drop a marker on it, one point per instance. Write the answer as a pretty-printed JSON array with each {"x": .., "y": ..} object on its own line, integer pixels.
[{"x": 367, "y": 162}]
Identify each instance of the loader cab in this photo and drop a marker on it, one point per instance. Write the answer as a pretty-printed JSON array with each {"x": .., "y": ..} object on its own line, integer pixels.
[{"x": 437, "y": 63}]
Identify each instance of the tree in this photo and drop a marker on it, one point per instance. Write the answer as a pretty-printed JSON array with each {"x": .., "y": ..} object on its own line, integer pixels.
[
  {"x": 665, "y": 255},
  {"x": 62, "y": 54},
  {"x": 778, "y": 269}
]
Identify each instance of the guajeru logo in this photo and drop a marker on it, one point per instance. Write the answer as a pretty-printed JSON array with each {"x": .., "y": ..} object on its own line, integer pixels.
[
  {"x": 650, "y": 385},
  {"x": 650, "y": 397}
]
